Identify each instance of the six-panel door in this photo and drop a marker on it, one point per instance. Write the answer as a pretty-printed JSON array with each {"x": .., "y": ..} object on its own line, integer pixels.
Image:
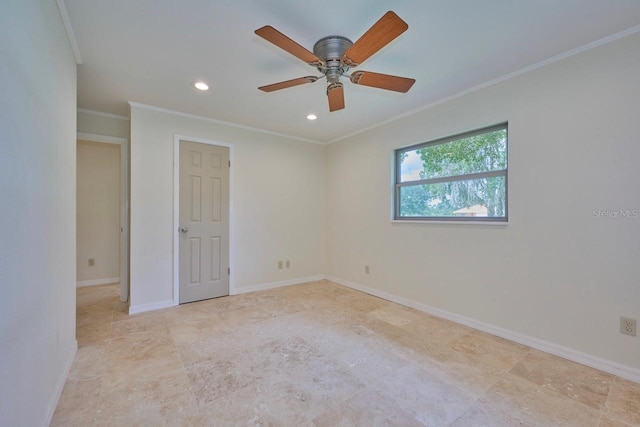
[{"x": 204, "y": 221}]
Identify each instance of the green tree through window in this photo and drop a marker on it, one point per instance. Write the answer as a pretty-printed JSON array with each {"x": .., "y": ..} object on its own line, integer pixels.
[{"x": 462, "y": 177}]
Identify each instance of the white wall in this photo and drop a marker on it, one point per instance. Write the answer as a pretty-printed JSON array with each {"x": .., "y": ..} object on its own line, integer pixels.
[
  {"x": 555, "y": 272},
  {"x": 277, "y": 201},
  {"x": 37, "y": 189},
  {"x": 98, "y": 212}
]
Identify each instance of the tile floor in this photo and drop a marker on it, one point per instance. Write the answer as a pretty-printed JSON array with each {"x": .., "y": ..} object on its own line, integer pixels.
[{"x": 319, "y": 354}]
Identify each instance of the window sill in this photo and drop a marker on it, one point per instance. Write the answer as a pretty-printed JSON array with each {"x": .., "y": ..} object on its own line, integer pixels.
[{"x": 428, "y": 222}]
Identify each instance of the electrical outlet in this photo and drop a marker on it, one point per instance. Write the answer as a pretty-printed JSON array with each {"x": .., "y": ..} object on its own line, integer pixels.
[
  {"x": 287, "y": 264},
  {"x": 628, "y": 326},
  {"x": 367, "y": 270},
  {"x": 92, "y": 262},
  {"x": 279, "y": 265}
]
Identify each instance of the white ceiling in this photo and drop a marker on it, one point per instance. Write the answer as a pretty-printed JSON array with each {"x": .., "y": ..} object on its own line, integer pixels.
[{"x": 151, "y": 52}]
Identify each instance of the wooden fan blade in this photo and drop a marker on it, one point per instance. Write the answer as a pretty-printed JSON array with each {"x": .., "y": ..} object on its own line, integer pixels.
[
  {"x": 378, "y": 36},
  {"x": 288, "y": 83},
  {"x": 274, "y": 36},
  {"x": 382, "y": 81},
  {"x": 335, "y": 93}
]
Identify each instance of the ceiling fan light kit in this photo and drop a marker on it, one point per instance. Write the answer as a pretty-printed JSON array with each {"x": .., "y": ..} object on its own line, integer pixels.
[{"x": 333, "y": 56}]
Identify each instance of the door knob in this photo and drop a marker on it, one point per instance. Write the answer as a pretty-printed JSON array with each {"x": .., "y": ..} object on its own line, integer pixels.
[{"x": 184, "y": 229}]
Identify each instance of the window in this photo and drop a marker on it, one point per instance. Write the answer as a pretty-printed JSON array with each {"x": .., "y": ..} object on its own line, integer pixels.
[{"x": 458, "y": 178}]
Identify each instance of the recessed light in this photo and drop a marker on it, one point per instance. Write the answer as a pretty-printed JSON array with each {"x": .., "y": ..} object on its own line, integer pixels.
[
  {"x": 312, "y": 117},
  {"x": 201, "y": 85}
]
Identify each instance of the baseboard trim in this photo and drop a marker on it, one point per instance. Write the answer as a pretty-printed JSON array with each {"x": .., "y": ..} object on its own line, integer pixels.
[
  {"x": 135, "y": 309},
  {"x": 272, "y": 285},
  {"x": 604, "y": 365},
  {"x": 51, "y": 410},
  {"x": 96, "y": 282}
]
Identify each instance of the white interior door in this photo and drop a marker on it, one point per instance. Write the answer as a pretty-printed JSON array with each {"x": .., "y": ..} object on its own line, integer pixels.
[{"x": 203, "y": 221}]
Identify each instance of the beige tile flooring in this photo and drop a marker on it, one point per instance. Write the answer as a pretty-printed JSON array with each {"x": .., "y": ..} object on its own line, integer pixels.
[{"x": 319, "y": 354}]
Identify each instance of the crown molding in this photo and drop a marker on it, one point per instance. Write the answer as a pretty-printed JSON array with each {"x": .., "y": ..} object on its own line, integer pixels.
[
  {"x": 92, "y": 137},
  {"x": 220, "y": 122},
  {"x": 101, "y": 114},
  {"x": 71, "y": 36},
  {"x": 519, "y": 72}
]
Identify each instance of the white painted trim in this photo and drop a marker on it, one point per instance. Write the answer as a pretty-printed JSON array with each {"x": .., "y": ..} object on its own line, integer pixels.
[
  {"x": 176, "y": 221},
  {"x": 93, "y": 137},
  {"x": 537, "y": 65},
  {"x": 101, "y": 114},
  {"x": 614, "y": 368},
  {"x": 71, "y": 35},
  {"x": 51, "y": 409},
  {"x": 135, "y": 309},
  {"x": 273, "y": 285},
  {"x": 124, "y": 221},
  {"x": 96, "y": 282},
  {"x": 176, "y": 210},
  {"x": 124, "y": 204},
  {"x": 220, "y": 122},
  {"x": 457, "y": 223}
]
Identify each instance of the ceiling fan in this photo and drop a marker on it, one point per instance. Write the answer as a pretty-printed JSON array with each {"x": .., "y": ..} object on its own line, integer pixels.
[{"x": 333, "y": 56}]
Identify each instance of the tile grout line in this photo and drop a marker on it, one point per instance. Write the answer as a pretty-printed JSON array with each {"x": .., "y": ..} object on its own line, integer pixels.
[
  {"x": 184, "y": 369},
  {"x": 365, "y": 389},
  {"x": 569, "y": 396},
  {"x": 369, "y": 385}
]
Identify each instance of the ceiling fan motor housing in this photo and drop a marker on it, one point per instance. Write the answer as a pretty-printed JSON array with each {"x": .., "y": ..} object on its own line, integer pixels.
[{"x": 331, "y": 49}]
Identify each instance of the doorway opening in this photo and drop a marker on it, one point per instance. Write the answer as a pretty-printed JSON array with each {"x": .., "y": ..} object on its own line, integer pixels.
[{"x": 102, "y": 202}]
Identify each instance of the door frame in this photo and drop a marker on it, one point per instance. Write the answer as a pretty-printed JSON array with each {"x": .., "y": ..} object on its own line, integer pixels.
[
  {"x": 124, "y": 203},
  {"x": 176, "y": 209}
]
